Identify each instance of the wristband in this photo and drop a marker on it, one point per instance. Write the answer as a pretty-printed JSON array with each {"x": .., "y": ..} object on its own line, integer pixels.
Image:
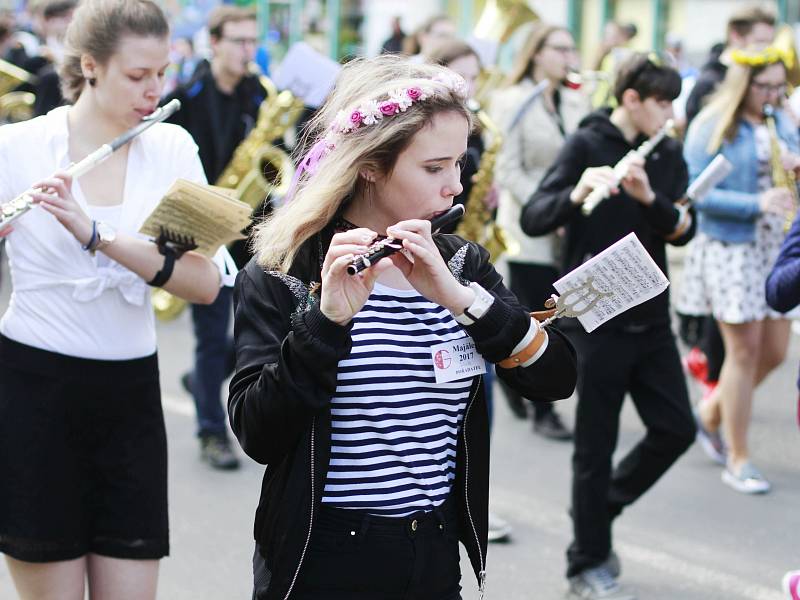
[
  {"x": 93, "y": 240},
  {"x": 166, "y": 270},
  {"x": 521, "y": 357},
  {"x": 483, "y": 301}
]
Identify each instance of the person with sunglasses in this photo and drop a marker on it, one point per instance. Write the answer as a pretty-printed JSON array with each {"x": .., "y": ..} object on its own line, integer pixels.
[
  {"x": 219, "y": 107},
  {"x": 635, "y": 353},
  {"x": 741, "y": 228}
]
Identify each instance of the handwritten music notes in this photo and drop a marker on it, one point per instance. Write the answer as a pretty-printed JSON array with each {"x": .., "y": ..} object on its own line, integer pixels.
[
  {"x": 625, "y": 272},
  {"x": 209, "y": 214}
]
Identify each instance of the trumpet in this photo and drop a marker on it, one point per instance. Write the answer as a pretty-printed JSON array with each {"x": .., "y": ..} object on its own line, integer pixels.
[
  {"x": 11, "y": 211},
  {"x": 602, "y": 192},
  {"x": 780, "y": 176},
  {"x": 576, "y": 79}
]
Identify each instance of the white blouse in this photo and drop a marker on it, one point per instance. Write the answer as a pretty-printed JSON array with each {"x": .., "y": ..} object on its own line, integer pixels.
[{"x": 63, "y": 299}]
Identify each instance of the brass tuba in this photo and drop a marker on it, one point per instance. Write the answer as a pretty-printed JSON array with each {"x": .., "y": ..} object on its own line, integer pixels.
[
  {"x": 497, "y": 23},
  {"x": 256, "y": 170},
  {"x": 15, "y": 106},
  {"x": 478, "y": 223}
]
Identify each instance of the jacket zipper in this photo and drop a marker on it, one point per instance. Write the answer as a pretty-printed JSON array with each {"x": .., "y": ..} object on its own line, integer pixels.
[
  {"x": 482, "y": 573},
  {"x": 311, "y": 515}
]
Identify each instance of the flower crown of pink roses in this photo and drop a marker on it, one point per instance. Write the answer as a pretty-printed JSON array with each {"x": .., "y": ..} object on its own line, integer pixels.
[{"x": 373, "y": 111}]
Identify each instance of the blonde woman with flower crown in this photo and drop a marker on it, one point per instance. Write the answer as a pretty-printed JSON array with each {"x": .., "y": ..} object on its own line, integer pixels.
[
  {"x": 740, "y": 230},
  {"x": 348, "y": 387}
]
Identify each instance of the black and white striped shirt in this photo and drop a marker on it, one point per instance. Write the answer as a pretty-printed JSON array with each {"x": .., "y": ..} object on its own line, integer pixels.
[{"x": 394, "y": 429}]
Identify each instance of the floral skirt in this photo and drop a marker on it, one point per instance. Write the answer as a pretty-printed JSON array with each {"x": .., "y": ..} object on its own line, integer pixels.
[{"x": 727, "y": 280}]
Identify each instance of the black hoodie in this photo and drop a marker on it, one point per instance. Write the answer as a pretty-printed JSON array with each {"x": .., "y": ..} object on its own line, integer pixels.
[{"x": 596, "y": 143}]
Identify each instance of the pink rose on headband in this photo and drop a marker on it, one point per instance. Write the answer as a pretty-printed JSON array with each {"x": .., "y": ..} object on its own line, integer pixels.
[
  {"x": 356, "y": 118},
  {"x": 414, "y": 93},
  {"x": 389, "y": 108}
]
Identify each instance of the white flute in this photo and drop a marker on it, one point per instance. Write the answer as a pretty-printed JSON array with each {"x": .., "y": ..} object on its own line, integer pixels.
[
  {"x": 601, "y": 192},
  {"x": 12, "y": 210}
]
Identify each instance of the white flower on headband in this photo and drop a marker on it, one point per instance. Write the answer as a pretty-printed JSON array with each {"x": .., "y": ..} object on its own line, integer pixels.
[{"x": 372, "y": 111}]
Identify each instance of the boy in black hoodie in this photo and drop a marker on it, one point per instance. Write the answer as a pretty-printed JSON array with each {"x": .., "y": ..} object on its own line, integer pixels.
[{"x": 636, "y": 352}]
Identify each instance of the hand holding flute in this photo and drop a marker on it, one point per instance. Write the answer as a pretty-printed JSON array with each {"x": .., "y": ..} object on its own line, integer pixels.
[
  {"x": 598, "y": 183},
  {"x": 420, "y": 263}
]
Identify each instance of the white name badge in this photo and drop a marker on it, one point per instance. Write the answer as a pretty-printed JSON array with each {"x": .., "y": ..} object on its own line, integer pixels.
[{"x": 457, "y": 359}]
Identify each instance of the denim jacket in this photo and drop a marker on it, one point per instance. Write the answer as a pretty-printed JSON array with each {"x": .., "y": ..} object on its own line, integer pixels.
[{"x": 729, "y": 211}]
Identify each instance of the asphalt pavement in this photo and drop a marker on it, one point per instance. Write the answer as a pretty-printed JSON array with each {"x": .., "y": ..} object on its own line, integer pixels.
[{"x": 689, "y": 538}]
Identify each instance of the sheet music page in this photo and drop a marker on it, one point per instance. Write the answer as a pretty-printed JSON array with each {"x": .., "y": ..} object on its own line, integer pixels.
[
  {"x": 191, "y": 209},
  {"x": 624, "y": 271}
]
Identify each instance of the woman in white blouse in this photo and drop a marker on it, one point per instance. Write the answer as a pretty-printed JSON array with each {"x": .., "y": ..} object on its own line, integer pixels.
[{"x": 82, "y": 439}]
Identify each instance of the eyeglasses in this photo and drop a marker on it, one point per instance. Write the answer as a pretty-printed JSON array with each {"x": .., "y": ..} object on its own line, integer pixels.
[
  {"x": 562, "y": 49},
  {"x": 242, "y": 41},
  {"x": 762, "y": 88}
]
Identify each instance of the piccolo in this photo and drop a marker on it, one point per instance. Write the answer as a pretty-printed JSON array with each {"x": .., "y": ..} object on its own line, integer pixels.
[
  {"x": 600, "y": 193},
  {"x": 12, "y": 210},
  {"x": 388, "y": 245}
]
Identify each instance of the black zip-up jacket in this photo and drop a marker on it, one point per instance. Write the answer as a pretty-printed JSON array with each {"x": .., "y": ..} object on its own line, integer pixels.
[
  {"x": 596, "y": 143},
  {"x": 287, "y": 355}
]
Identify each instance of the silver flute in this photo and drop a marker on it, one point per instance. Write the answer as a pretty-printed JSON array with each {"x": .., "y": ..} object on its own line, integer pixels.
[
  {"x": 14, "y": 209},
  {"x": 601, "y": 192}
]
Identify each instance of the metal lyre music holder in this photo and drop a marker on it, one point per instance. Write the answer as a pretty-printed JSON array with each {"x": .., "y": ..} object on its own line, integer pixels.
[{"x": 586, "y": 294}]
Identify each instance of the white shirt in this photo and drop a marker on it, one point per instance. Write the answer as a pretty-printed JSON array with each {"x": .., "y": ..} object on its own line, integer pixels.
[{"x": 63, "y": 299}]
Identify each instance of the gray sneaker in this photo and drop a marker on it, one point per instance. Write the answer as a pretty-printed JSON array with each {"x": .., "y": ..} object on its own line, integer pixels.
[
  {"x": 613, "y": 565},
  {"x": 499, "y": 529},
  {"x": 597, "y": 584},
  {"x": 216, "y": 451},
  {"x": 748, "y": 480}
]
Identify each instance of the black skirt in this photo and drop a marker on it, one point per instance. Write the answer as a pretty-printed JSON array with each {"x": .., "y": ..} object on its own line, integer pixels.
[{"x": 83, "y": 457}]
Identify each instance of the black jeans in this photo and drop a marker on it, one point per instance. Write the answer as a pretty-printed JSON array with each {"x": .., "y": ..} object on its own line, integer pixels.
[
  {"x": 610, "y": 364},
  {"x": 354, "y": 556},
  {"x": 532, "y": 285}
]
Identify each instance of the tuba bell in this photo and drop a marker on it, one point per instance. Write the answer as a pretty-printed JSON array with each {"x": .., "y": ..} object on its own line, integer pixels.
[
  {"x": 497, "y": 23},
  {"x": 501, "y": 18}
]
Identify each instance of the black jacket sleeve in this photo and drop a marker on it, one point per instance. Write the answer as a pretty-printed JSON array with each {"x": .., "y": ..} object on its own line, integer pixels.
[
  {"x": 285, "y": 366},
  {"x": 662, "y": 214},
  {"x": 554, "y": 374},
  {"x": 550, "y": 207}
]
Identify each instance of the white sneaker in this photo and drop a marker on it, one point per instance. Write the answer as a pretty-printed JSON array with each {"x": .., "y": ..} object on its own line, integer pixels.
[
  {"x": 597, "y": 584},
  {"x": 499, "y": 529},
  {"x": 748, "y": 480}
]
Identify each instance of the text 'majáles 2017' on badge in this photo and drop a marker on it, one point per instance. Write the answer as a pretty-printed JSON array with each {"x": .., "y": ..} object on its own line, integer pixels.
[{"x": 457, "y": 359}]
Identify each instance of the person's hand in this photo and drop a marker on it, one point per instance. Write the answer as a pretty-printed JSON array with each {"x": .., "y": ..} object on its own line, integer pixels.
[
  {"x": 791, "y": 162},
  {"x": 636, "y": 183},
  {"x": 592, "y": 178},
  {"x": 55, "y": 196},
  {"x": 424, "y": 267},
  {"x": 343, "y": 294},
  {"x": 491, "y": 199},
  {"x": 776, "y": 200}
]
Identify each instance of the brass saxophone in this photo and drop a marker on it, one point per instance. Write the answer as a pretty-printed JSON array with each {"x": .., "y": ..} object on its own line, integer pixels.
[
  {"x": 780, "y": 176},
  {"x": 478, "y": 224},
  {"x": 256, "y": 170}
]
